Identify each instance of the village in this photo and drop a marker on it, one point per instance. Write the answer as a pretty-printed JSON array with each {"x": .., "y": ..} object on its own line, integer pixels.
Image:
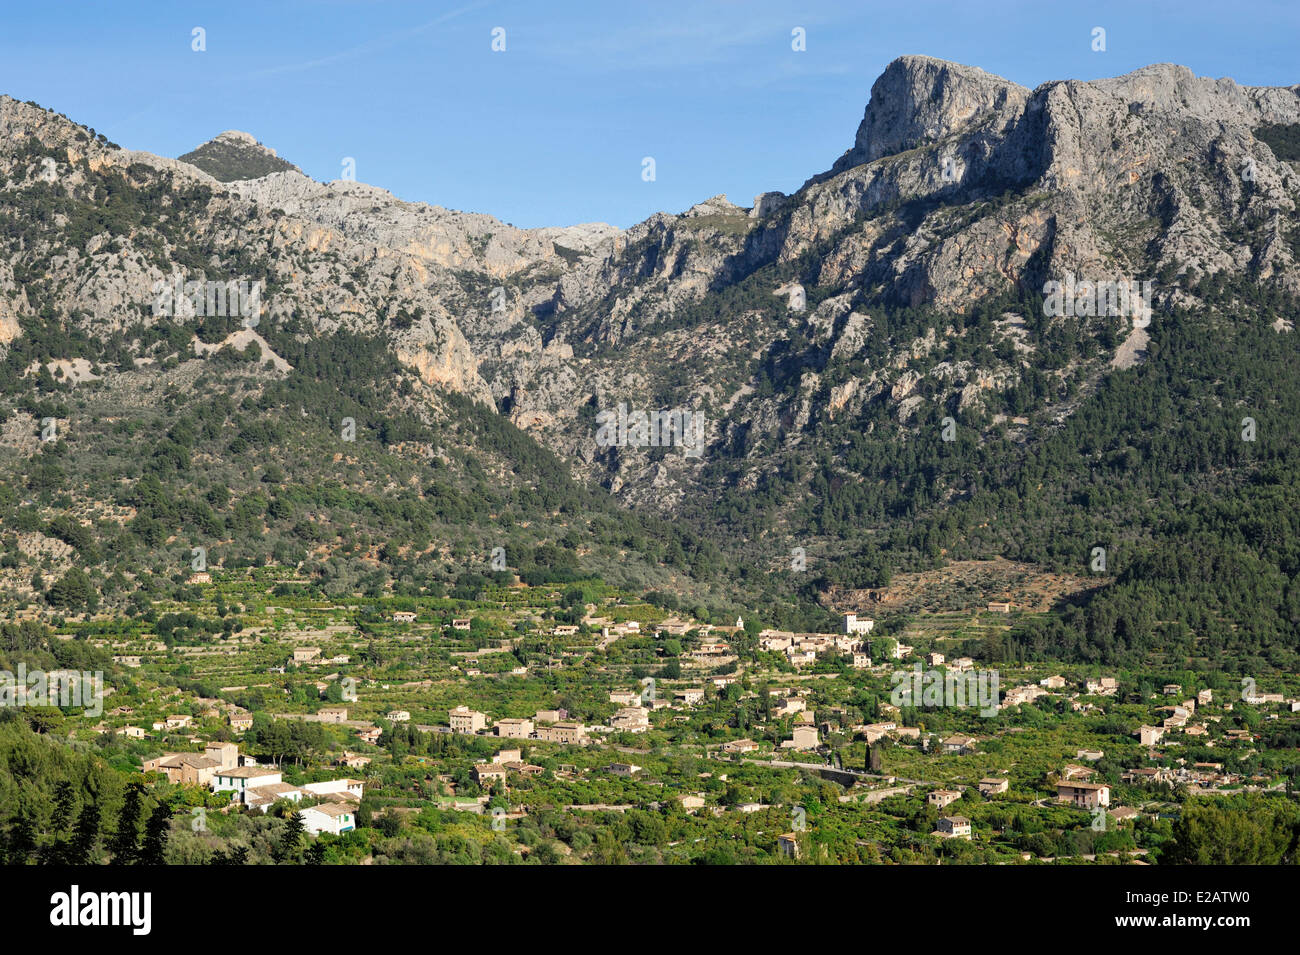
[{"x": 615, "y": 706}]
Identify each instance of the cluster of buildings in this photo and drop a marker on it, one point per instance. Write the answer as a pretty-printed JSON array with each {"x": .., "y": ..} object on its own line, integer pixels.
[
  {"x": 547, "y": 726},
  {"x": 706, "y": 652},
  {"x": 554, "y": 726},
  {"x": 502, "y": 764},
  {"x": 1073, "y": 787},
  {"x": 1055, "y": 685},
  {"x": 240, "y": 720},
  {"x": 1198, "y": 778},
  {"x": 803, "y": 649},
  {"x": 410, "y": 616},
  {"x": 221, "y": 768}
]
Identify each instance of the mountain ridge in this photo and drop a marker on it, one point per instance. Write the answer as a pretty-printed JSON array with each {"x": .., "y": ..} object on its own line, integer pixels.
[{"x": 996, "y": 133}]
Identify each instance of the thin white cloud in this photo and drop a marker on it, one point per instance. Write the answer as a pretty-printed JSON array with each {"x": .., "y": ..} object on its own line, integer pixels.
[
  {"x": 686, "y": 43},
  {"x": 371, "y": 46}
]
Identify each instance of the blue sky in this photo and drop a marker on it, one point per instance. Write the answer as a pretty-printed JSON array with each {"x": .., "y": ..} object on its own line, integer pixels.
[{"x": 553, "y": 130}]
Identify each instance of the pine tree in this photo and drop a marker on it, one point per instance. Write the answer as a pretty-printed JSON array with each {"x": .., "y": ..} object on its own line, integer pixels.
[
  {"x": 156, "y": 833},
  {"x": 125, "y": 843},
  {"x": 58, "y": 851},
  {"x": 291, "y": 842},
  {"x": 65, "y": 807},
  {"x": 22, "y": 841},
  {"x": 85, "y": 839}
]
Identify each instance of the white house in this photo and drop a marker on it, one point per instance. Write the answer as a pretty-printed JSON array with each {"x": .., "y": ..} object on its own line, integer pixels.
[
  {"x": 333, "y": 817},
  {"x": 264, "y": 797},
  {"x": 853, "y": 625},
  {"x": 336, "y": 787},
  {"x": 953, "y": 827},
  {"x": 243, "y": 778}
]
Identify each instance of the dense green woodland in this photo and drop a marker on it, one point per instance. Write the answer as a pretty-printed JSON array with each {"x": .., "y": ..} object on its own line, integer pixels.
[{"x": 1197, "y": 522}]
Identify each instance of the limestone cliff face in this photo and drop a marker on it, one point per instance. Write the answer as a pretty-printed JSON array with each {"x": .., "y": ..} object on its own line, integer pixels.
[
  {"x": 395, "y": 283},
  {"x": 449, "y": 364},
  {"x": 430, "y": 234},
  {"x": 919, "y": 101},
  {"x": 958, "y": 185},
  {"x": 992, "y": 176},
  {"x": 1083, "y": 166},
  {"x": 9, "y": 310}
]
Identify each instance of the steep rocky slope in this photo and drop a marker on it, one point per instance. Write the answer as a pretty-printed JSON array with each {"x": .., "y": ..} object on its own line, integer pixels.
[{"x": 960, "y": 187}]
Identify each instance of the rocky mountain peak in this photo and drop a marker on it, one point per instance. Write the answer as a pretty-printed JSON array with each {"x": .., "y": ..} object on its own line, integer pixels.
[
  {"x": 919, "y": 100},
  {"x": 718, "y": 205},
  {"x": 235, "y": 155},
  {"x": 239, "y": 136}
]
